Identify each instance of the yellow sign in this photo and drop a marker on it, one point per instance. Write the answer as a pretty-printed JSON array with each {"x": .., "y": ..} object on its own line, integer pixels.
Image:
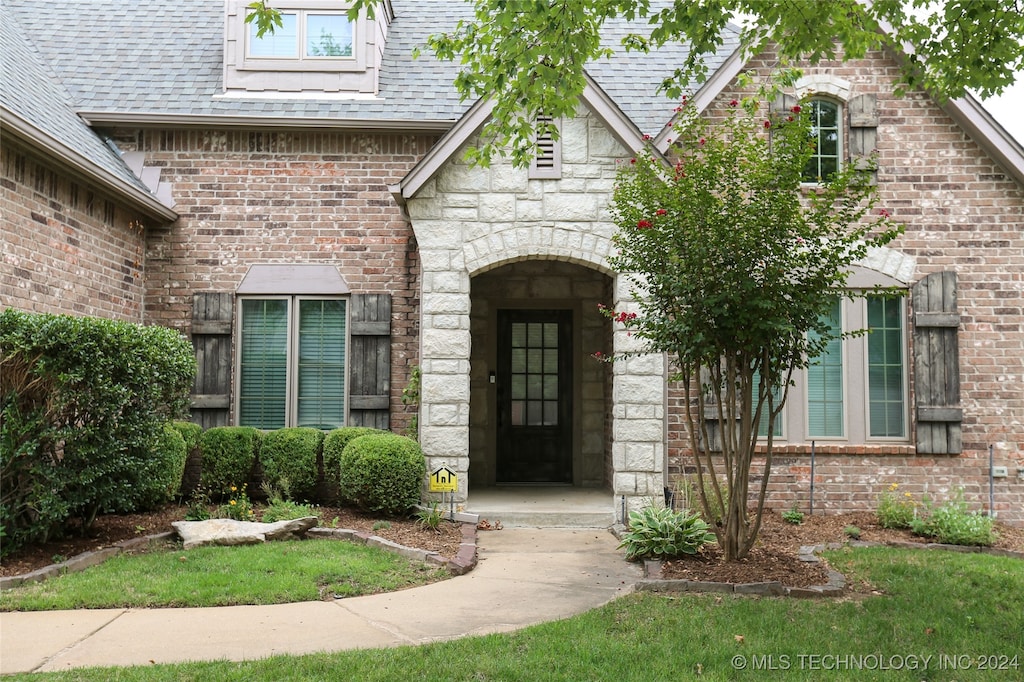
[{"x": 443, "y": 480}]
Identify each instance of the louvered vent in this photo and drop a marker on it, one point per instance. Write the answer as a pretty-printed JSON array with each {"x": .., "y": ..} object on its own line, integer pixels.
[{"x": 548, "y": 162}]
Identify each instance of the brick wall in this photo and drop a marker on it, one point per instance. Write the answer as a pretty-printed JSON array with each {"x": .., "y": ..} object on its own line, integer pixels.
[
  {"x": 283, "y": 197},
  {"x": 66, "y": 247},
  {"x": 962, "y": 213}
]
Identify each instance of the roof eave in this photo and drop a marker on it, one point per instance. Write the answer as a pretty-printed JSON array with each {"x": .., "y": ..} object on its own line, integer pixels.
[
  {"x": 164, "y": 120},
  {"x": 82, "y": 167}
]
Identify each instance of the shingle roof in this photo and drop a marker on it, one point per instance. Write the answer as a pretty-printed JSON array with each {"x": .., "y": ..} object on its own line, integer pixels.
[
  {"x": 114, "y": 60},
  {"x": 36, "y": 97},
  {"x": 163, "y": 57}
]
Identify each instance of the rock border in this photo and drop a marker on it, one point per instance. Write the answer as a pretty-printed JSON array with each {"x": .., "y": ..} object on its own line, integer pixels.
[
  {"x": 463, "y": 562},
  {"x": 836, "y": 585}
]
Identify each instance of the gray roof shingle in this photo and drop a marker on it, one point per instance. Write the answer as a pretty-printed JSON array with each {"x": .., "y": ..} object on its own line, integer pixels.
[{"x": 165, "y": 58}]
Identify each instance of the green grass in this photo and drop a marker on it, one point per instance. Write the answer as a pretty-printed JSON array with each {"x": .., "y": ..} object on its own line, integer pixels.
[
  {"x": 270, "y": 573},
  {"x": 930, "y": 604}
]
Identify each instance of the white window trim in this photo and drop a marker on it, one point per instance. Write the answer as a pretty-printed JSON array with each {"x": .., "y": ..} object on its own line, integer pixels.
[
  {"x": 840, "y": 143},
  {"x": 356, "y": 63},
  {"x": 292, "y": 361}
]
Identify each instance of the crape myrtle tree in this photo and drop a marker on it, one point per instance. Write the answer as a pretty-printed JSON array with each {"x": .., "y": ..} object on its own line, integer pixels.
[
  {"x": 734, "y": 268},
  {"x": 530, "y": 55}
]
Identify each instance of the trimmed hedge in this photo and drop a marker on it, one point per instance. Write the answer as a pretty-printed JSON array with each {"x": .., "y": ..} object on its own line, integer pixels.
[
  {"x": 168, "y": 466},
  {"x": 383, "y": 472},
  {"x": 83, "y": 402},
  {"x": 229, "y": 455},
  {"x": 289, "y": 460},
  {"x": 334, "y": 445}
]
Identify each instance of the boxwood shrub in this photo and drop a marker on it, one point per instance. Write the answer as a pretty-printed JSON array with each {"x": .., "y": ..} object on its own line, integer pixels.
[
  {"x": 167, "y": 467},
  {"x": 334, "y": 444},
  {"x": 229, "y": 454},
  {"x": 84, "y": 402},
  {"x": 382, "y": 472},
  {"x": 289, "y": 458}
]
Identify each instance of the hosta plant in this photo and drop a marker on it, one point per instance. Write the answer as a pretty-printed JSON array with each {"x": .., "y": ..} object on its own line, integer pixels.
[{"x": 660, "y": 532}]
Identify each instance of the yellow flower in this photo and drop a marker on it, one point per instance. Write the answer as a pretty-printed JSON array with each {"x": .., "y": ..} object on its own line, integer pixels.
[
  {"x": 907, "y": 494},
  {"x": 232, "y": 502},
  {"x": 894, "y": 486},
  {"x": 233, "y": 488}
]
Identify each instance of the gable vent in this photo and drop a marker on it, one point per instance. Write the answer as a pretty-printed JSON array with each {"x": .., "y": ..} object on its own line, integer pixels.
[{"x": 547, "y": 162}]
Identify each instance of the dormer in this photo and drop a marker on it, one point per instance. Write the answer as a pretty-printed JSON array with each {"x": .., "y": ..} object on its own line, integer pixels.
[{"x": 317, "y": 52}]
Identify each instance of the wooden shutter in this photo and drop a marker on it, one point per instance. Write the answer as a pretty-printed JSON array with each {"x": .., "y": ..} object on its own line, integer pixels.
[
  {"x": 369, "y": 398},
  {"x": 937, "y": 365},
  {"x": 863, "y": 117},
  {"x": 212, "y": 315}
]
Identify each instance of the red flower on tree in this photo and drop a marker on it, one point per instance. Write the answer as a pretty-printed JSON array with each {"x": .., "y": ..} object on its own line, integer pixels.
[{"x": 644, "y": 224}]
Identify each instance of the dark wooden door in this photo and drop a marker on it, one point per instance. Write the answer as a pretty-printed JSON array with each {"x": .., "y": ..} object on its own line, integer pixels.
[{"x": 534, "y": 380}]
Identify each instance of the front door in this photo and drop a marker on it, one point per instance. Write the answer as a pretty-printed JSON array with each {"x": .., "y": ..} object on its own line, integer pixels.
[{"x": 534, "y": 378}]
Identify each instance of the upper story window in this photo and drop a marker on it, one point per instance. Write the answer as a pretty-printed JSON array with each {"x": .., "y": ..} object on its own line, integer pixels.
[
  {"x": 304, "y": 35},
  {"x": 826, "y": 135},
  {"x": 318, "y": 50}
]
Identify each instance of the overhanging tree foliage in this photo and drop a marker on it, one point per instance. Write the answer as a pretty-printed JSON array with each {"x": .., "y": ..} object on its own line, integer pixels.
[
  {"x": 735, "y": 268},
  {"x": 529, "y": 55}
]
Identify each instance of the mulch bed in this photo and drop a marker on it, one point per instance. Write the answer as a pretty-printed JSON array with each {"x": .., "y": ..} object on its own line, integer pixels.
[
  {"x": 773, "y": 558},
  {"x": 110, "y": 529}
]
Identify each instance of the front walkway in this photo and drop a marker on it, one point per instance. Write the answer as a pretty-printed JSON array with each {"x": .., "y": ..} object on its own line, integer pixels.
[{"x": 524, "y": 576}]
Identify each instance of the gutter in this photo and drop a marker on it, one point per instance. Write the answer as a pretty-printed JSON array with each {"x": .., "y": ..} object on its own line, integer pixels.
[
  {"x": 153, "y": 120},
  {"x": 84, "y": 167}
]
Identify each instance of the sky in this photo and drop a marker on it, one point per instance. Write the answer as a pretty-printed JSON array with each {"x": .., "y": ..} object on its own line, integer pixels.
[{"x": 1008, "y": 109}]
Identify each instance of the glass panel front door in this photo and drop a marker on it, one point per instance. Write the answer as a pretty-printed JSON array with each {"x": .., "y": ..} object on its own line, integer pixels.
[{"x": 534, "y": 396}]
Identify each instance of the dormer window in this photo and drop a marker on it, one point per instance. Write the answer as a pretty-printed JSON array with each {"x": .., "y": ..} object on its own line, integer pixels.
[
  {"x": 320, "y": 35},
  {"x": 317, "y": 50}
]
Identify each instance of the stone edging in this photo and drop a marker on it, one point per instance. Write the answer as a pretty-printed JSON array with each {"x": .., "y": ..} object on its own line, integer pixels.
[
  {"x": 463, "y": 562},
  {"x": 653, "y": 582}
]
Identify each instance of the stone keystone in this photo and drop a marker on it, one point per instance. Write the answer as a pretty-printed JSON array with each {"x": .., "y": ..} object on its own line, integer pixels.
[{"x": 230, "y": 532}]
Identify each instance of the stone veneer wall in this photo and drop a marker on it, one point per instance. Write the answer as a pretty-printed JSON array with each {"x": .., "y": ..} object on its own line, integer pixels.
[
  {"x": 469, "y": 220},
  {"x": 962, "y": 213},
  {"x": 66, "y": 246}
]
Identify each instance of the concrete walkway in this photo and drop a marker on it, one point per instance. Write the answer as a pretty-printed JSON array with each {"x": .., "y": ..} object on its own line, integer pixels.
[{"x": 524, "y": 576}]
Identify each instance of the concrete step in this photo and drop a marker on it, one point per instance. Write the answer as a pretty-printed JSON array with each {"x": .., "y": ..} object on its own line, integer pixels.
[{"x": 511, "y": 518}]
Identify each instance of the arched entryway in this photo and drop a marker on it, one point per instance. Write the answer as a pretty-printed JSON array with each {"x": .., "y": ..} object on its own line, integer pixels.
[{"x": 539, "y": 400}]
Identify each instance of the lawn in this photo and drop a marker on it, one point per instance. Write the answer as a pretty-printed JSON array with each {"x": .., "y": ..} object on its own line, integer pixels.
[
  {"x": 916, "y": 616},
  {"x": 269, "y": 573}
]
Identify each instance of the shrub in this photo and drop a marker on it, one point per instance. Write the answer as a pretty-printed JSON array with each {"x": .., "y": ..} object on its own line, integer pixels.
[
  {"x": 793, "y": 516},
  {"x": 334, "y": 444},
  {"x": 166, "y": 468},
  {"x": 952, "y": 524},
  {"x": 382, "y": 472},
  {"x": 290, "y": 455},
  {"x": 280, "y": 508},
  {"x": 191, "y": 432},
  {"x": 229, "y": 453},
  {"x": 895, "y": 510},
  {"x": 659, "y": 532},
  {"x": 83, "y": 402}
]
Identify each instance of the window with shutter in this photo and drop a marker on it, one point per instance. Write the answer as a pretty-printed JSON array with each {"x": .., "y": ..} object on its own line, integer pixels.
[{"x": 292, "y": 362}]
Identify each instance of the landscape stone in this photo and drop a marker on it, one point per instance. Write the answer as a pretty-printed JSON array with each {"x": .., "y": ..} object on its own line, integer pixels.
[{"x": 231, "y": 532}]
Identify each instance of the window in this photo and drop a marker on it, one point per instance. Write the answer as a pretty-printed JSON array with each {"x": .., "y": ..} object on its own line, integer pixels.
[
  {"x": 291, "y": 365},
  {"x": 320, "y": 35},
  {"x": 856, "y": 390},
  {"x": 826, "y": 134}
]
